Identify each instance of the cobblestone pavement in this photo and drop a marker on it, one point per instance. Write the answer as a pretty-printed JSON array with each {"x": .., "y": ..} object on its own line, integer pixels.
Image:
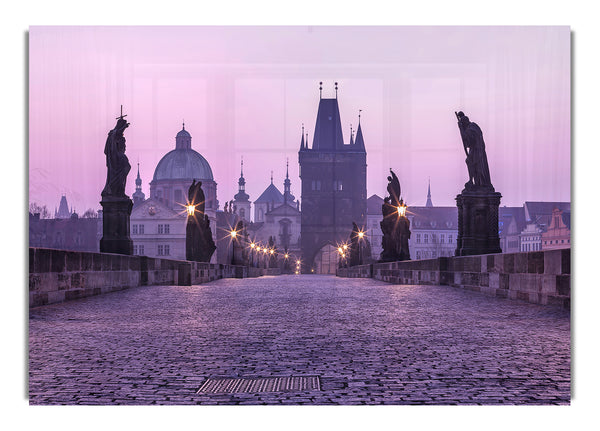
[{"x": 368, "y": 341}]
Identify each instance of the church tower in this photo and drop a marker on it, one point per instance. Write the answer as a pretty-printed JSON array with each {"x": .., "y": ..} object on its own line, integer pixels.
[
  {"x": 240, "y": 200},
  {"x": 334, "y": 184}
]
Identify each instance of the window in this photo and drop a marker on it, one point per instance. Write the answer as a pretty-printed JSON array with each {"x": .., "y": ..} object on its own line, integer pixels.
[
  {"x": 141, "y": 250},
  {"x": 337, "y": 185},
  {"x": 418, "y": 241},
  {"x": 418, "y": 255},
  {"x": 178, "y": 196},
  {"x": 135, "y": 249},
  {"x": 160, "y": 228},
  {"x": 163, "y": 250},
  {"x": 166, "y": 250},
  {"x": 449, "y": 239},
  {"x": 134, "y": 229},
  {"x": 425, "y": 238},
  {"x": 160, "y": 250},
  {"x": 442, "y": 238},
  {"x": 141, "y": 229},
  {"x": 243, "y": 213},
  {"x": 167, "y": 228}
]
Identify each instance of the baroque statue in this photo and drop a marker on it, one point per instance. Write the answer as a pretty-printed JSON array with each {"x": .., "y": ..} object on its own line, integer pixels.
[
  {"x": 199, "y": 243},
  {"x": 117, "y": 162},
  {"x": 474, "y": 146},
  {"x": 394, "y": 226}
]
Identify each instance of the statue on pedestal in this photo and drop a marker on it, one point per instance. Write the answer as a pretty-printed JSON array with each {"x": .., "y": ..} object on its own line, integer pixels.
[
  {"x": 478, "y": 202},
  {"x": 116, "y": 205},
  {"x": 395, "y": 226}
]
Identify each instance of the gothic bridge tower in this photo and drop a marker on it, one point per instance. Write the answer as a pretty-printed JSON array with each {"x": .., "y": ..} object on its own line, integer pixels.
[{"x": 334, "y": 188}]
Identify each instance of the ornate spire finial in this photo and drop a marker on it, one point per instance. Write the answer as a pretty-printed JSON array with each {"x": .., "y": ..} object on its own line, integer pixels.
[
  {"x": 242, "y": 167},
  {"x": 183, "y": 124},
  {"x": 359, "y": 111},
  {"x": 287, "y": 165},
  {"x": 336, "y": 90},
  {"x": 271, "y": 177},
  {"x": 321, "y": 90}
]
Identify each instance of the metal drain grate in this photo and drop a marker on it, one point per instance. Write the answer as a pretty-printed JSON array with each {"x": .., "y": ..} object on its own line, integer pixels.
[{"x": 223, "y": 385}]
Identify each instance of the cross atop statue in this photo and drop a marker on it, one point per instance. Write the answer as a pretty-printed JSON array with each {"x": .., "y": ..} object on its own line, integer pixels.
[{"x": 122, "y": 116}]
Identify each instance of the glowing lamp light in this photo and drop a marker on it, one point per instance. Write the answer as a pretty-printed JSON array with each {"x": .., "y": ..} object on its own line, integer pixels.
[
  {"x": 271, "y": 251},
  {"x": 345, "y": 246},
  {"x": 298, "y": 262},
  {"x": 361, "y": 234},
  {"x": 286, "y": 255},
  {"x": 402, "y": 210},
  {"x": 233, "y": 234},
  {"x": 190, "y": 209},
  {"x": 340, "y": 250},
  {"x": 296, "y": 272},
  {"x": 252, "y": 245}
]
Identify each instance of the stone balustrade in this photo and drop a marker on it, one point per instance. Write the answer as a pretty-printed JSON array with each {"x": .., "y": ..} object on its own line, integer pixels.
[
  {"x": 59, "y": 275},
  {"x": 542, "y": 277}
]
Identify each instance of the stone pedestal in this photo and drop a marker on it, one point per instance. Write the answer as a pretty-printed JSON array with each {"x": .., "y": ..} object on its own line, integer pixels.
[
  {"x": 477, "y": 223},
  {"x": 116, "y": 214}
]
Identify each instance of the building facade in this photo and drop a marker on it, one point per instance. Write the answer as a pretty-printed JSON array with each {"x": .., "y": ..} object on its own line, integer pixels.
[
  {"x": 158, "y": 224},
  {"x": 558, "y": 234},
  {"x": 334, "y": 184}
]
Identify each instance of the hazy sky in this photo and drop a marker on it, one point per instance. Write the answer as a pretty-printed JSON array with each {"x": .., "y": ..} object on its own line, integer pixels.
[{"x": 246, "y": 91}]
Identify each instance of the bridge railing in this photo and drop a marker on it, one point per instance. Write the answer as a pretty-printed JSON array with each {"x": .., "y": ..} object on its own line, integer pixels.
[
  {"x": 542, "y": 277},
  {"x": 59, "y": 275}
]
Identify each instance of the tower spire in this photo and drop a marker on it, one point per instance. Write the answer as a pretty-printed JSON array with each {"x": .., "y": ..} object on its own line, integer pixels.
[
  {"x": 321, "y": 90},
  {"x": 429, "y": 203},
  {"x": 302, "y": 145},
  {"x": 336, "y": 88},
  {"x": 242, "y": 167}
]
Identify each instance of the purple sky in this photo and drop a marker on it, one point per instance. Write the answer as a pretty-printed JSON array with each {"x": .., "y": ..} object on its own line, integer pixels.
[{"x": 245, "y": 91}]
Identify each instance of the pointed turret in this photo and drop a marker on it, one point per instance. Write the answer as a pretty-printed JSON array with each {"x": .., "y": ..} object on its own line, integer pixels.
[
  {"x": 138, "y": 196},
  {"x": 429, "y": 204},
  {"x": 302, "y": 143},
  {"x": 359, "y": 144},
  {"x": 63, "y": 209}
]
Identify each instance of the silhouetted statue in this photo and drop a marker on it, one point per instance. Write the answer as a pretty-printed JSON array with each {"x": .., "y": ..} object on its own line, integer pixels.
[
  {"x": 117, "y": 162},
  {"x": 226, "y": 209},
  {"x": 116, "y": 205},
  {"x": 196, "y": 196},
  {"x": 199, "y": 243},
  {"x": 395, "y": 228},
  {"x": 477, "y": 164},
  {"x": 393, "y": 189}
]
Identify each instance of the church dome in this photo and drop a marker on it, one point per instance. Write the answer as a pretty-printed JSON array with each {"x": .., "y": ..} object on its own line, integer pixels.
[{"x": 183, "y": 163}]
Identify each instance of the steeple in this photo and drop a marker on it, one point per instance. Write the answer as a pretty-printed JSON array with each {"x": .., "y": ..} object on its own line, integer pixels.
[
  {"x": 287, "y": 195},
  {"x": 429, "y": 204},
  {"x": 241, "y": 195},
  {"x": 138, "y": 196},
  {"x": 351, "y": 135}
]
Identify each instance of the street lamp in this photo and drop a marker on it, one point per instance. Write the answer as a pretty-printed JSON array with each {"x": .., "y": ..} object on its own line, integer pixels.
[
  {"x": 402, "y": 209},
  {"x": 190, "y": 209},
  {"x": 233, "y": 235}
]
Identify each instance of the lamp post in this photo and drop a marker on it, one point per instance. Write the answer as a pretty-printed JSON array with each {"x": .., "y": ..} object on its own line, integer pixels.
[
  {"x": 233, "y": 235},
  {"x": 361, "y": 235}
]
